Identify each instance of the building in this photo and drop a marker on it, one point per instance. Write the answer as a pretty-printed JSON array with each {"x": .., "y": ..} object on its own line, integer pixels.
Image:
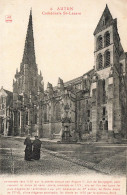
[{"x": 93, "y": 105}]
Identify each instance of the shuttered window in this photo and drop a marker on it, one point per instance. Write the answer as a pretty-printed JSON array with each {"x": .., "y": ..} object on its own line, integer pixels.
[
  {"x": 99, "y": 42},
  {"x": 100, "y": 61},
  {"x": 107, "y": 58},
  {"x": 107, "y": 39}
]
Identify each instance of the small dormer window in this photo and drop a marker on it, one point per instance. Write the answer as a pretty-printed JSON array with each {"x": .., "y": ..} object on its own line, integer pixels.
[
  {"x": 103, "y": 21},
  {"x": 106, "y": 19}
]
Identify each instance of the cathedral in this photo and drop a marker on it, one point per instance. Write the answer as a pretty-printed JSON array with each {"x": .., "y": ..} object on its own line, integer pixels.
[{"x": 92, "y": 106}]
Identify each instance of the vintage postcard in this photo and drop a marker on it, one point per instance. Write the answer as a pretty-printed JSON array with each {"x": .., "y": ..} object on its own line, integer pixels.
[{"x": 63, "y": 97}]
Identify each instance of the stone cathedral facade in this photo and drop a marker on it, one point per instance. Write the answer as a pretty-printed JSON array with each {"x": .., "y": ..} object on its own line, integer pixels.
[{"x": 92, "y": 105}]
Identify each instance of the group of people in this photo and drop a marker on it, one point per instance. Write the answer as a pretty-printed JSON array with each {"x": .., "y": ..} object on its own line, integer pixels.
[{"x": 32, "y": 150}]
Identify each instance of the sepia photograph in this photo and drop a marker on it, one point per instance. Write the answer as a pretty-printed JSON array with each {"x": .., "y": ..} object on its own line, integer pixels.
[{"x": 63, "y": 97}]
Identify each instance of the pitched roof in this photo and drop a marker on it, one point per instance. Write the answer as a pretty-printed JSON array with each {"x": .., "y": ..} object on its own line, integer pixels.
[
  {"x": 8, "y": 92},
  {"x": 107, "y": 18},
  {"x": 9, "y": 100},
  {"x": 76, "y": 80}
]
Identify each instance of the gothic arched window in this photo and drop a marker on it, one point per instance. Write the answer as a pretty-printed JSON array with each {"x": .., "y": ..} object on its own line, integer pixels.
[
  {"x": 90, "y": 126},
  {"x": 99, "y": 42},
  {"x": 100, "y": 61},
  {"x": 27, "y": 118},
  {"x": 88, "y": 113},
  {"x": 19, "y": 118},
  {"x": 45, "y": 113},
  {"x": 35, "y": 118},
  {"x": 107, "y": 58},
  {"x": 104, "y": 111},
  {"x": 107, "y": 39},
  {"x": 106, "y": 125},
  {"x": 57, "y": 111}
]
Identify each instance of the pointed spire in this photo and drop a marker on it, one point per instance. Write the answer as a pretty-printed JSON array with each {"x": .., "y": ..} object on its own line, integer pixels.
[
  {"x": 107, "y": 11},
  {"x": 60, "y": 84},
  {"x": 60, "y": 81},
  {"x": 49, "y": 86},
  {"x": 50, "y": 89},
  {"x": 105, "y": 19},
  {"x": 29, "y": 52}
]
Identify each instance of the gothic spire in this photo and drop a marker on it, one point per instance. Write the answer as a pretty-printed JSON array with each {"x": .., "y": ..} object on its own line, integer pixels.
[{"x": 29, "y": 53}]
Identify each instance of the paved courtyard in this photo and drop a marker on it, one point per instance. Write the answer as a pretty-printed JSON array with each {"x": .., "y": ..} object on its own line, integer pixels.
[
  {"x": 12, "y": 161},
  {"x": 106, "y": 158},
  {"x": 63, "y": 158}
]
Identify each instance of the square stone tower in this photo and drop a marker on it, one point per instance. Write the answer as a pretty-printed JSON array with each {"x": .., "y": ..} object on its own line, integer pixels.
[{"x": 109, "y": 96}]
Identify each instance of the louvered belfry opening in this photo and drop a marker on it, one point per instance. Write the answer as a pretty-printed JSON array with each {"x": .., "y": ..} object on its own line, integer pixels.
[
  {"x": 107, "y": 58},
  {"x": 107, "y": 39},
  {"x": 100, "y": 42},
  {"x": 100, "y": 61}
]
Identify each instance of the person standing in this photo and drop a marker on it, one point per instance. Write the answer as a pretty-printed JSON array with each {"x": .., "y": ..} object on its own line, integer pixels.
[
  {"x": 36, "y": 148},
  {"x": 28, "y": 149}
]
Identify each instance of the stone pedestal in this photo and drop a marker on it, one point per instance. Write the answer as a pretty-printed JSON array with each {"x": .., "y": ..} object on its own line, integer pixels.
[{"x": 66, "y": 135}]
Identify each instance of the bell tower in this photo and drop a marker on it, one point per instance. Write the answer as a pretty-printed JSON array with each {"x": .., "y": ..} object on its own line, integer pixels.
[
  {"x": 107, "y": 52},
  {"x": 103, "y": 50}
]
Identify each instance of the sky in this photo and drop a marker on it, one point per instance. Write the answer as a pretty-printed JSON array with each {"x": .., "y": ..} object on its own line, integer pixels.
[{"x": 64, "y": 44}]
